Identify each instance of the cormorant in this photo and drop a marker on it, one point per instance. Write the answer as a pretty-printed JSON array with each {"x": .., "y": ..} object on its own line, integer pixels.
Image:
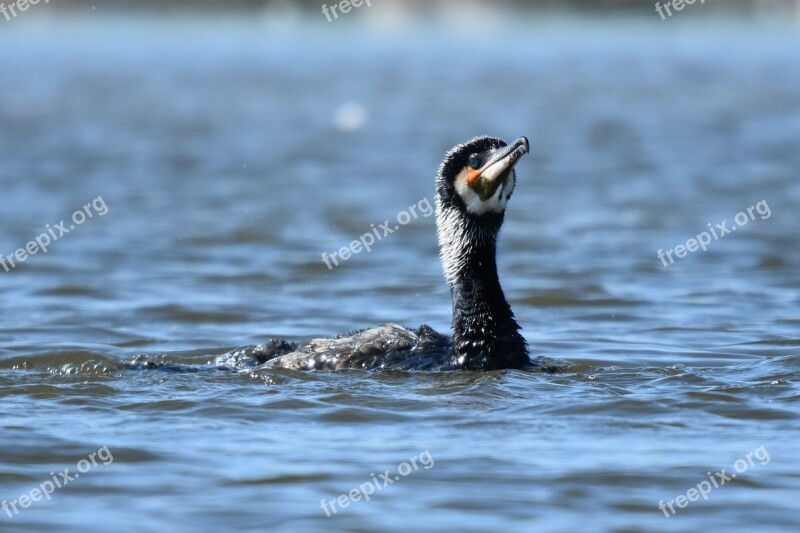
[{"x": 473, "y": 186}]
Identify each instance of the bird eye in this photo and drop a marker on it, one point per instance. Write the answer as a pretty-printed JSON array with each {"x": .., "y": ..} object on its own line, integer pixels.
[{"x": 474, "y": 162}]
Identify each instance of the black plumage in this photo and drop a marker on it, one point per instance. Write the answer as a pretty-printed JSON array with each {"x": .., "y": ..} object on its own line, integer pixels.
[{"x": 474, "y": 183}]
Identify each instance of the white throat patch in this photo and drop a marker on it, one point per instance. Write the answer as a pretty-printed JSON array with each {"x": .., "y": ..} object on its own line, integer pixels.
[{"x": 494, "y": 204}]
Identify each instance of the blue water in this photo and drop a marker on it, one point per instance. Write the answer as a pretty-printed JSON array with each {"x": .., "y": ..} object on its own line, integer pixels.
[{"x": 232, "y": 154}]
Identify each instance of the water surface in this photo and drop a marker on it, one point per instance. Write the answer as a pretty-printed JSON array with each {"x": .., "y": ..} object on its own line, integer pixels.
[{"x": 232, "y": 155}]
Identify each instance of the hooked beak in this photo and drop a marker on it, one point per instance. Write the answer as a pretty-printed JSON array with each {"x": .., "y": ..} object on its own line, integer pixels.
[{"x": 500, "y": 165}]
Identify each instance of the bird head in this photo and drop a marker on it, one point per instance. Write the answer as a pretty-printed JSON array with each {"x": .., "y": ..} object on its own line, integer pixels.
[{"x": 478, "y": 177}]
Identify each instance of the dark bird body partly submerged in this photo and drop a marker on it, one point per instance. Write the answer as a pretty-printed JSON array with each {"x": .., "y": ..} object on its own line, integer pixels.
[
  {"x": 473, "y": 186},
  {"x": 387, "y": 346}
]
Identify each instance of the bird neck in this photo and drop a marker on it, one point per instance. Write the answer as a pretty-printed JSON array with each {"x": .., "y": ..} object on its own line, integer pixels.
[{"x": 486, "y": 334}]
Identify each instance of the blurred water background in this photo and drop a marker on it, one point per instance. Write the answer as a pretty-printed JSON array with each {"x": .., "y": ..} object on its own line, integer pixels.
[{"x": 233, "y": 148}]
